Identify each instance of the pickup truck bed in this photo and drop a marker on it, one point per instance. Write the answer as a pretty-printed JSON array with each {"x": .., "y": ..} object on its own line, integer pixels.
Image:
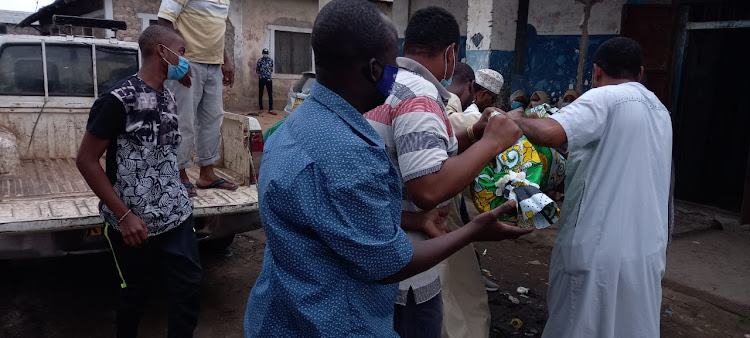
[{"x": 50, "y": 195}]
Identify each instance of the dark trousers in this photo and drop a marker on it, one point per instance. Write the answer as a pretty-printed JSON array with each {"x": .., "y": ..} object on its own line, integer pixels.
[
  {"x": 268, "y": 85},
  {"x": 464, "y": 213},
  {"x": 173, "y": 255},
  {"x": 419, "y": 320}
]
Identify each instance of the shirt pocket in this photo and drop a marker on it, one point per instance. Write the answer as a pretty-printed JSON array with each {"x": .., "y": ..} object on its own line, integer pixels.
[{"x": 584, "y": 243}]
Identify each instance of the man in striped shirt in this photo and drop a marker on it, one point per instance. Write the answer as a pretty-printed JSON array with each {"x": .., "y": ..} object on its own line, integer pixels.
[
  {"x": 435, "y": 162},
  {"x": 202, "y": 23}
]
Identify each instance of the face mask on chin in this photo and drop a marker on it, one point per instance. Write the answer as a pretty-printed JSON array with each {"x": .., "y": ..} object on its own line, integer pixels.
[{"x": 516, "y": 105}]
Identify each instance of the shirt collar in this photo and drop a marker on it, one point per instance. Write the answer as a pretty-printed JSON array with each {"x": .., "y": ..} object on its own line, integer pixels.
[
  {"x": 346, "y": 112},
  {"x": 417, "y": 67}
]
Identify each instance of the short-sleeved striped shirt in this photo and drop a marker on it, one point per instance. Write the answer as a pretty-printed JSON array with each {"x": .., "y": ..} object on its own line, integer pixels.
[
  {"x": 418, "y": 138},
  {"x": 202, "y": 24}
]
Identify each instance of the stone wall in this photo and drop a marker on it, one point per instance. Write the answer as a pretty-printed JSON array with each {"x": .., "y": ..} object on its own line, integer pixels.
[{"x": 127, "y": 10}]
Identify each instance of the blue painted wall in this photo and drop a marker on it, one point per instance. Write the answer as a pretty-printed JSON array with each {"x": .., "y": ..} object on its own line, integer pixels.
[{"x": 552, "y": 62}]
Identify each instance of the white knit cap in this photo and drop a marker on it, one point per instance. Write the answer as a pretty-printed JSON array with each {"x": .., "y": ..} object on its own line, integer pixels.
[{"x": 490, "y": 80}]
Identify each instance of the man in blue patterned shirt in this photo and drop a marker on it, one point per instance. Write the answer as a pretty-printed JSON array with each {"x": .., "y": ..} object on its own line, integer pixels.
[
  {"x": 330, "y": 198},
  {"x": 264, "y": 69}
]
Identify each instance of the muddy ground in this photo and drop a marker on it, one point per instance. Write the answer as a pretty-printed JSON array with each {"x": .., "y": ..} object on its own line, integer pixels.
[{"x": 75, "y": 296}]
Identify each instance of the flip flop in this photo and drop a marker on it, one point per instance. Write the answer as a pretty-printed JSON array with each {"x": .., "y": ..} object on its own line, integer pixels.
[
  {"x": 217, "y": 185},
  {"x": 189, "y": 186}
]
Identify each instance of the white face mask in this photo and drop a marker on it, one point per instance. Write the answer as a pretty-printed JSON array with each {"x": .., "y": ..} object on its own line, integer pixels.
[{"x": 445, "y": 72}]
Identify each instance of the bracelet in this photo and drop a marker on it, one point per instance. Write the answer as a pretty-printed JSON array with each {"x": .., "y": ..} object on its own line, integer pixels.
[
  {"x": 470, "y": 132},
  {"x": 493, "y": 114},
  {"x": 123, "y": 216}
]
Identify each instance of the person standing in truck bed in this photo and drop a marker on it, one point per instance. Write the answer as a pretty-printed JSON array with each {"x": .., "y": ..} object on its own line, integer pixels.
[
  {"x": 147, "y": 213},
  {"x": 202, "y": 23}
]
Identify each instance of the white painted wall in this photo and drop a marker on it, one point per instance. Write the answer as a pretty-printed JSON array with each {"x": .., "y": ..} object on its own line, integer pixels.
[
  {"x": 480, "y": 22},
  {"x": 504, "y": 21},
  {"x": 553, "y": 17}
]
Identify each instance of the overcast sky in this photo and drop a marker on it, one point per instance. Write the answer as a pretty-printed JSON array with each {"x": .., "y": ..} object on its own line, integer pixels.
[{"x": 23, "y": 5}]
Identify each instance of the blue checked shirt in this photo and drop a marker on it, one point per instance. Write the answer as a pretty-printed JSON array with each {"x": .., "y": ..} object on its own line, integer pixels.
[{"x": 330, "y": 202}]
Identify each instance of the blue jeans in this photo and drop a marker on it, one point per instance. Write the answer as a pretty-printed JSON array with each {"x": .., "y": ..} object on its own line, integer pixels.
[{"x": 419, "y": 320}]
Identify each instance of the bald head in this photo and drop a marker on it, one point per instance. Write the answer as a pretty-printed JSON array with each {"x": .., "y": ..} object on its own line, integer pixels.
[
  {"x": 350, "y": 31},
  {"x": 155, "y": 35}
]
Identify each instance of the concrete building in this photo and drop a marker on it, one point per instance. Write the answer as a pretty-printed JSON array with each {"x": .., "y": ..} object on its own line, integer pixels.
[{"x": 9, "y": 20}]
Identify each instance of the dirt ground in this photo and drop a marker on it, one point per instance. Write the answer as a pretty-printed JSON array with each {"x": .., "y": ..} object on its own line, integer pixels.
[{"x": 75, "y": 296}]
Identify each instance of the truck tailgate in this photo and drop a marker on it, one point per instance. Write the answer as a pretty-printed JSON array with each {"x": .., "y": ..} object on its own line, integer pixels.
[{"x": 61, "y": 213}]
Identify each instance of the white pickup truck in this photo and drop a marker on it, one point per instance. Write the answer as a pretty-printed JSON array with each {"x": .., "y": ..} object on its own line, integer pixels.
[{"x": 47, "y": 86}]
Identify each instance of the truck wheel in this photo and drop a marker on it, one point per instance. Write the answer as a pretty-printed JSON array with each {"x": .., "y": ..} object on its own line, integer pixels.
[{"x": 217, "y": 244}]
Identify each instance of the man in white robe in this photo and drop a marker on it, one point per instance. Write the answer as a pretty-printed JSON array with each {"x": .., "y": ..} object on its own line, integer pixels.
[{"x": 610, "y": 256}]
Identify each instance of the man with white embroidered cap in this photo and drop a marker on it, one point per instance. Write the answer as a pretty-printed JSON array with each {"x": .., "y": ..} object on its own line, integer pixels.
[{"x": 487, "y": 87}]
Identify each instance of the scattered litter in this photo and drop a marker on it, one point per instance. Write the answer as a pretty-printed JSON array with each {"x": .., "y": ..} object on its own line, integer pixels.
[
  {"x": 696, "y": 242},
  {"x": 487, "y": 272},
  {"x": 669, "y": 312},
  {"x": 534, "y": 331},
  {"x": 528, "y": 334},
  {"x": 526, "y": 273},
  {"x": 524, "y": 296},
  {"x": 535, "y": 262},
  {"x": 516, "y": 323},
  {"x": 522, "y": 290},
  {"x": 484, "y": 253},
  {"x": 513, "y": 300}
]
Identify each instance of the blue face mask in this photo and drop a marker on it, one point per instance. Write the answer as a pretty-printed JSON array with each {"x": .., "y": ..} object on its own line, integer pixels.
[
  {"x": 516, "y": 105},
  {"x": 447, "y": 82},
  {"x": 385, "y": 84},
  {"x": 180, "y": 70},
  {"x": 565, "y": 104}
]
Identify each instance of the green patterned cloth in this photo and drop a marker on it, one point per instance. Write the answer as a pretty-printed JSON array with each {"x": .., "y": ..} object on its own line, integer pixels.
[
  {"x": 522, "y": 173},
  {"x": 272, "y": 129}
]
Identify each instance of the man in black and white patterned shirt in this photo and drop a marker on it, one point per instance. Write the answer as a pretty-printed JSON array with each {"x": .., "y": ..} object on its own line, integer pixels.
[{"x": 146, "y": 210}]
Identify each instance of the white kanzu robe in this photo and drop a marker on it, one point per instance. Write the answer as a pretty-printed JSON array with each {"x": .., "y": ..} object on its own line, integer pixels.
[{"x": 609, "y": 258}]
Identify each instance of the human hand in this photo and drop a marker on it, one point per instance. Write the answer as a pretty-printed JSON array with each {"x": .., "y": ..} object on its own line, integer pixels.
[
  {"x": 134, "y": 231},
  {"x": 518, "y": 113},
  {"x": 228, "y": 75},
  {"x": 185, "y": 80},
  {"x": 488, "y": 228},
  {"x": 433, "y": 222},
  {"x": 482, "y": 123},
  {"x": 501, "y": 132}
]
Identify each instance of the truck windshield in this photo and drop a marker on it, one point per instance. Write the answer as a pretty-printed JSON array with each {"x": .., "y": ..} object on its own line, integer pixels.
[
  {"x": 70, "y": 69},
  {"x": 113, "y": 65},
  {"x": 21, "y": 71}
]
